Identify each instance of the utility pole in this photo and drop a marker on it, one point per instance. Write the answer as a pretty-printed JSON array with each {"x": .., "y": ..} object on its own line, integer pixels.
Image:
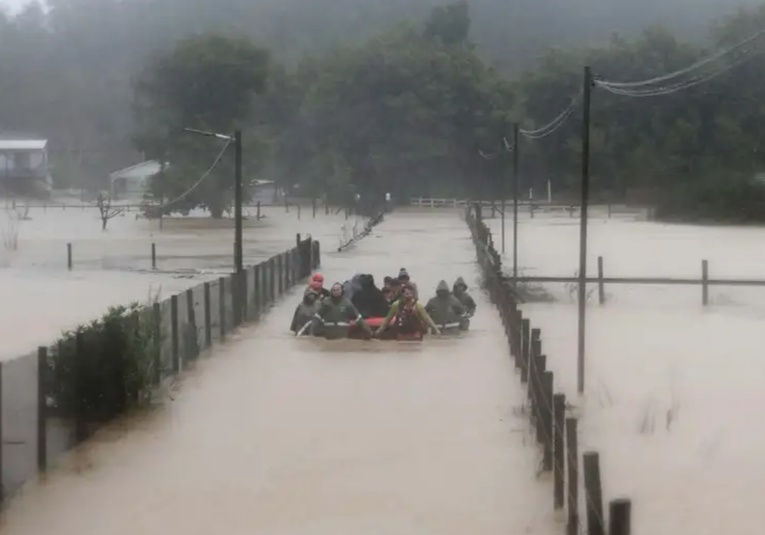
[
  {"x": 515, "y": 202},
  {"x": 585, "y": 191},
  {"x": 238, "y": 245}
]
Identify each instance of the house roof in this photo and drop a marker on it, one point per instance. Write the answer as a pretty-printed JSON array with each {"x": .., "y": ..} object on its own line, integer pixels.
[
  {"x": 140, "y": 170},
  {"x": 23, "y": 144}
]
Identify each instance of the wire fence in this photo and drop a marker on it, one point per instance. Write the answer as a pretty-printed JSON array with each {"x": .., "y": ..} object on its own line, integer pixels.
[
  {"x": 555, "y": 431},
  {"x": 33, "y": 430}
]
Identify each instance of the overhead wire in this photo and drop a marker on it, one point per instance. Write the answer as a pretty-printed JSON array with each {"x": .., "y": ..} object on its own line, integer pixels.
[
  {"x": 199, "y": 182},
  {"x": 555, "y": 124},
  {"x": 674, "y": 88},
  {"x": 697, "y": 65}
]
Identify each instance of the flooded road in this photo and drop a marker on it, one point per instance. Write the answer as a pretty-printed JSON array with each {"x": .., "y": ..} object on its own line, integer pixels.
[{"x": 280, "y": 436}]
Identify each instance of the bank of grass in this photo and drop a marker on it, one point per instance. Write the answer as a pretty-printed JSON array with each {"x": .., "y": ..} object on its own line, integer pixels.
[{"x": 105, "y": 368}]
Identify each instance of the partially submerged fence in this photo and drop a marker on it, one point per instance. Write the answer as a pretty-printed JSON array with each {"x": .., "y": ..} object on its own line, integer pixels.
[
  {"x": 55, "y": 397},
  {"x": 554, "y": 430}
]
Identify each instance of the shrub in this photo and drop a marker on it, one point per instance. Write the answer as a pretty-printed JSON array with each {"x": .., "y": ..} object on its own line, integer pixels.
[{"x": 99, "y": 371}]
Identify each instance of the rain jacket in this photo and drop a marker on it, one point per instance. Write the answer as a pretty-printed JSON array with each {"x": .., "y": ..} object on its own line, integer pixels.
[
  {"x": 334, "y": 317},
  {"x": 460, "y": 292},
  {"x": 407, "y": 318},
  {"x": 352, "y": 286},
  {"x": 369, "y": 300},
  {"x": 444, "y": 308},
  {"x": 305, "y": 312}
]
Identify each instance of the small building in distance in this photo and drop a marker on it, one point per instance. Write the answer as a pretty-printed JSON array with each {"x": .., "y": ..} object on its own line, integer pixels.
[
  {"x": 132, "y": 182},
  {"x": 24, "y": 167}
]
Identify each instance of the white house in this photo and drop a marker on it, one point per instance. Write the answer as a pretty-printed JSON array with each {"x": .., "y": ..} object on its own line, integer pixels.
[
  {"x": 132, "y": 182},
  {"x": 24, "y": 167}
]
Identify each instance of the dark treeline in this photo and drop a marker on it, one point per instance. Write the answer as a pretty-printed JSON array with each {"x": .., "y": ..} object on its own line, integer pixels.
[{"x": 393, "y": 95}]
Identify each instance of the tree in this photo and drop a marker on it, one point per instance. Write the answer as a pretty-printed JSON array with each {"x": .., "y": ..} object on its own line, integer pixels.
[
  {"x": 206, "y": 82},
  {"x": 105, "y": 209}
]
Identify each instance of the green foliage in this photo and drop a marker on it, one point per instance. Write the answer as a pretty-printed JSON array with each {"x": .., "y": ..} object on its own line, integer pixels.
[
  {"x": 100, "y": 370},
  {"x": 207, "y": 82}
]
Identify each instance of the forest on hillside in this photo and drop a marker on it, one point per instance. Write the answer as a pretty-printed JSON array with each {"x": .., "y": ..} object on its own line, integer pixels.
[{"x": 342, "y": 95}]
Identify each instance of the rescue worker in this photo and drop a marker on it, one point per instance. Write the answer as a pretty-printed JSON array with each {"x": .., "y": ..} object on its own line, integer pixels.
[
  {"x": 335, "y": 313},
  {"x": 408, "y": 317},
  {"x": 369, "y": 300},
  {"x": 305, "y": 312},
  {"x": 445, "y": 309},
  {"x": 317, "y": 285},
  {"x": 460, "y": 292},
  {"x": 403, "y": 276}
]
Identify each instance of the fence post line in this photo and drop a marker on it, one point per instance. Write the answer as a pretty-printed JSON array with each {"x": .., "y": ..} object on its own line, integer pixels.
[
  {"x": 193, "y": 350},
  {"x": 42, "y": 403},
  {"x": 525, "y": 348},
  {"x": 244, "y": 297},
  {"x": 620, "y": 517},
  {"x": 559, "y": 414},
  {"x": 208, "y": 315},
  {"x": 69, "y": 256},
  {"x": 153, "y": 255},
  {"x": 601, "y": 288},
  {"x": 572, "y": 465},
  {"x": 174, "y": 333},
  {"x": 222, "y": 306},
  {"x": 157, "y": 326},
  {"x": 257, "y": 291},
  {"x": 593, "y": 493},
  {"x": 704, "y": 282},
  {"x": 547, "y": 425}
]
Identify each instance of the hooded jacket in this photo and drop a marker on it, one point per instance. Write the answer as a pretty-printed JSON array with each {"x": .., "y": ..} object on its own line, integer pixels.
[
  {"x": 369, "y": 300},
  {"x": 460, "y": 292},
  {"x": 444, "y": 308},
  {"x": 305, "y": 311}
]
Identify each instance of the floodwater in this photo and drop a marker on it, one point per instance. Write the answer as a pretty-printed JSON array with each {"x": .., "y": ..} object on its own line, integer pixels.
[
  {"x": 40, "y": 297},
  {"x": 672, "y": 387},
  {"x": 283, "y": 436}
]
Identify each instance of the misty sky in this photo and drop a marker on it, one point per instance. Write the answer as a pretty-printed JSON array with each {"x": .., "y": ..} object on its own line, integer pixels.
[{"x": 13, "y": 4}]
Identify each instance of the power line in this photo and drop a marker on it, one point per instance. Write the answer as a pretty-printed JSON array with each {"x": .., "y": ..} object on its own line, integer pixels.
[
  {"x": 674, "y": 88},
  {"x": 555, "y": 124},
  {"x": 198, "y": 182},
  {"x": 697, "y": 65}
]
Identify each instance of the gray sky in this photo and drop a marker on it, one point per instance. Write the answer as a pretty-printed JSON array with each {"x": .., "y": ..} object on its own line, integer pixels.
[{"x": 13, "y": 5}]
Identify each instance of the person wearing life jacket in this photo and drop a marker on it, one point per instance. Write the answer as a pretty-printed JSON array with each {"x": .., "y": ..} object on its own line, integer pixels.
[
  {"x": 305, "y": 312},
  {"x": 317, "y": 286},
  {"x": 408, "y": 317},
  {"x": 335, "y": 314},
  {"x": 403, "y": 277},
  {"x": 460, "y": 292},
  {"x": 445, "y": 309}
]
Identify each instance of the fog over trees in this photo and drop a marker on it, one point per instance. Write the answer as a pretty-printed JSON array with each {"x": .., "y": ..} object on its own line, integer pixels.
[{"x": 383, "y": 95}]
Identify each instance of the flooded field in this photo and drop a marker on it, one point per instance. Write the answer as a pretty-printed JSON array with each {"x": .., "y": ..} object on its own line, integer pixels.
[
  {"x": 671, "y": 385},
  {"x": 39, "y": 296},
  {"x": 281, "y": 436}
]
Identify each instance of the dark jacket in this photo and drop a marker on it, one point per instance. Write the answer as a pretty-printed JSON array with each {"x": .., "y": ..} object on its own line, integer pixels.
[
  {"x": 305, "y": 311},
  {"x": 444, "y": 308},
  {"x": 460, "y": 292},
  {"x": 369, "y": 300}
]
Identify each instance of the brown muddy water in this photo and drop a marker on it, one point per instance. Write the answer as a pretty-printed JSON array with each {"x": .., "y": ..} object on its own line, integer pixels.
[{"x": 283, "y": 436}]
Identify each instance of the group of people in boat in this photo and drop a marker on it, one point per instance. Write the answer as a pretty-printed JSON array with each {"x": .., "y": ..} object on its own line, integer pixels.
[{"x": 334, "y": 310}]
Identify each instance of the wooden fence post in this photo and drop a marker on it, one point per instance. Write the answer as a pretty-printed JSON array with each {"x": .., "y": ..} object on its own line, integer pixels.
[
  {"x": 704, "y": 282},
  {"x": 42, "y": 405},
  {"x": 559, "y": 415},
  {"x": 572, "y": 463},
  {"x": 208, "y": 315},
  {"x": 69, "y": 256},
  {"x": 153, "y": 255},
  {"x": 192, "y": 343},
  {"x": 156, "y": 316},
  {"x": 174, "y": 333},
  {"x": 601, "y": 287},
  {"x": 222, "y": 306},
  {"x": 620, "y": 517},
  {"x": 525, "y": 348},
  {"x": 547, "y": 424},
  {"x": 593, "y": 494}
]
